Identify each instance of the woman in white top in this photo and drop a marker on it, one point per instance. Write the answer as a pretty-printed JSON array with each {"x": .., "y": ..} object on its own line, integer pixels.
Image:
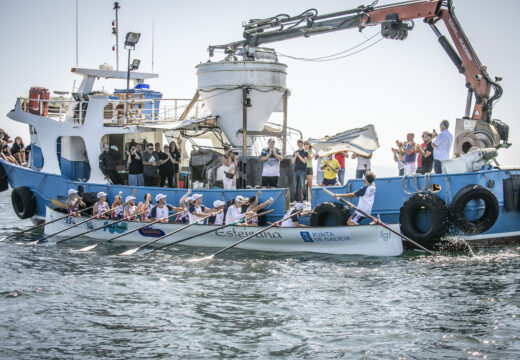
[
  {"x": 101, "y": 207},
  {"x": 229, "y": 163},
  {"x": 130, "y": 210}
]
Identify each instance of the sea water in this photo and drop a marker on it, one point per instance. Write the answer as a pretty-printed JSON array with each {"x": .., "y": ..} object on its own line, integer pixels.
[{"x": 58, "y": 304}]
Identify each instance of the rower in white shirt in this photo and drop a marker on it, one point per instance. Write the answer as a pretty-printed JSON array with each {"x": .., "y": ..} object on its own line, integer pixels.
[{"x": 234, "y": 212}]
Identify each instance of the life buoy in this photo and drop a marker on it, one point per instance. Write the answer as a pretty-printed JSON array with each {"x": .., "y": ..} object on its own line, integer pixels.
[
  {"x": 461, "y": 200},
  {"x": 424, "y": 218},
  {"x": 23, "y": 202},
  {"x": 4, "y": 184},
  {"x": 337, "y": 211}
]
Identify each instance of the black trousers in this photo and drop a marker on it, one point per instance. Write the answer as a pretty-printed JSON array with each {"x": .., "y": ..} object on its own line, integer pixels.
[
  {"x": 150, "y": 180},
  {"x": 169, "y": 176},
  {"x": 114, "y": 177}
]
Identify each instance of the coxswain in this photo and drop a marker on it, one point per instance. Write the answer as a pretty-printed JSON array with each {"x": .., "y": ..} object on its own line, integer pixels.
[
  {"x": 254, "y": 207},
  {"x": 74, "y": 202},
  {"x": 197, "y": 210},
  {"x": 218, "y": 218},
  {"x": 162, "y": 209},
  {"x": 234, "y": 212},
  {"x": 101, "y": 207},
  {"x": 130, "y": 210},
  {"x": 292, "y": 221},
  {"x": 366, "y": 197}
]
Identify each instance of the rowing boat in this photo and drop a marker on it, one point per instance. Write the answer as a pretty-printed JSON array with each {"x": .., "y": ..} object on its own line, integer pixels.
[{"x": 369, "y": 240}]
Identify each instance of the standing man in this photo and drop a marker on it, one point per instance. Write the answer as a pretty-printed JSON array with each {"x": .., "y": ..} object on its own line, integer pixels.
[
  {"x": 166, "y": 168},
  {"x": 299, "y": 162},
  {"x": 150, "y": 164},
  {"x": 341, "y": 156},
  {"x": 271, "y": 158},
  {"x": 363, "y": 165},
  {"x": 331, "y": 168},
  {"x": 425, "y": 151},
  {"x": 441, "y": 146},
  {"x": 408, "y": 147},
  {"x": 107, "y": 164}
]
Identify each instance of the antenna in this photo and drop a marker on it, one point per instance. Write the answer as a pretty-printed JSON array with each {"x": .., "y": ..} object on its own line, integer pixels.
[
  {"x": 115, "y": 31},
  {"x": 153, "y": 36},
  {"x": 77, "y": 33}
]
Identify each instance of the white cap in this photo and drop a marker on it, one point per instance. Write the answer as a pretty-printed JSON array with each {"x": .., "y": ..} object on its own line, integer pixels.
[
  {"x": 239, "y": 199},
  {"x": 72, "y": 191},
  {"x": 101, "y": 194},
  {"x": 159, "y": 197},
  {"x": 299, "y": 206},
  {"x": 129, "y": 197},
  {"x": 195, "y": 197},
  {"x": 218, "y": 203}
]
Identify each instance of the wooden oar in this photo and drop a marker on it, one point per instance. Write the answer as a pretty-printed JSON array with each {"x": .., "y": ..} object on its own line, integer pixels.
[
  {"x": 47, "y": 223},
  {"x": 100, "y": 227},
  {"x": 133, "y": 251},
  {"x": 90, "y": 247},
  {"x": 379, "y": 222},
  {"x": 70, "y": 227},
  {"x": 209, "y": 231},
  {"x": 249, "y": 237}
]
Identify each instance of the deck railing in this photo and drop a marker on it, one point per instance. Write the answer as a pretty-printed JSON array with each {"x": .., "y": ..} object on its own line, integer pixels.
[{"x": 118, "y": 112}]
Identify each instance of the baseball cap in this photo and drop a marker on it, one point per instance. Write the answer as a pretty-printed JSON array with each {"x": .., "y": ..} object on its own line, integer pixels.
[
  {"x": 129, "y": 197},
  {"x": 73, "y": 191},
  {"x": 101, "y": 194},
  {"x": 218, "y": 203},
  {"x": 159, "y": 197},
  {"x": 195, "y": 197},
  {"x": 299, "y": 206}
]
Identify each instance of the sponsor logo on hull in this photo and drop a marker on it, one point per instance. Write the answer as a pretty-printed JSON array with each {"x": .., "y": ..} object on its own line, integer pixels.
[
  {"x": 118, "y": 228},
  {"x": 323, "y": 236},
  {"x": 244, "y": 233},
  {"x": 151, "y": 232}
]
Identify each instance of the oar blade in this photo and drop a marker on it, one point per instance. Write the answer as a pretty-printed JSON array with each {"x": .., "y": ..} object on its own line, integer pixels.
[
  {"x": 129, "y": 252},
  {"x": 210, "y": 257},
  {"x": 32, "y": 243},
  {"x": 86, "y": 248},
  {"x": 3, "y": 238}
]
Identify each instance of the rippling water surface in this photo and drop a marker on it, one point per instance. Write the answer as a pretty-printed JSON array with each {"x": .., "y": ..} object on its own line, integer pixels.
[{"x": 57, "y": 304}]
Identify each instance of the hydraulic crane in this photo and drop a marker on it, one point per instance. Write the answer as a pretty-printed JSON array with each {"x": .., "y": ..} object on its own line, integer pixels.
[{"x": 395, "y": 20}]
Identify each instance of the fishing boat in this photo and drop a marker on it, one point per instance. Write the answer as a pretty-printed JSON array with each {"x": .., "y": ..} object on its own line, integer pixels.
[
  {"x": 473, "y": 197},
  {"x": 369, "y": 240}
]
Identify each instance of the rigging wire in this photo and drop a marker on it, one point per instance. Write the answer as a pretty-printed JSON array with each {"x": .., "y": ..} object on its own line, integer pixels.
[{"x": 331, "y": 57}]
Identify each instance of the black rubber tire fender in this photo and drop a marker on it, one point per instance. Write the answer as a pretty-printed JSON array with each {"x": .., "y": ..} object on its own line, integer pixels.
[
  {"x": 321, "y": 212},
  {"x": 24, "y": 204},
  {"x": 462, "y": 198},
  {"x": 439, "y": 214}
]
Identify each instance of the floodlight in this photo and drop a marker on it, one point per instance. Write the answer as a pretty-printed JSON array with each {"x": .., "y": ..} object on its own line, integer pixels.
[
  {"x": 135, "y": 64},
  {"x": 131, "y": 39}
]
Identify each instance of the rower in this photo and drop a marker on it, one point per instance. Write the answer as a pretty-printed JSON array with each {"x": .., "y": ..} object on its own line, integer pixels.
[
  {"x": 101, "y": 206},
  {"x": 161, "y": 210},
  {"x": 74, "y": 202},
  {"x": 366, "y": 198},
  {"x": 292, "y": 221},
  {"x": 118, "y": 211},
  {"x": 185, "y": 203},
  {"x": 130, "y": 210},
  {"x": 254, "y": 207},
  {"x": 218, "y": 218},
  {"x": 145, "y": 209},
  {"x": 234, "y": 212},
  {"x": 197, "y": 210}
]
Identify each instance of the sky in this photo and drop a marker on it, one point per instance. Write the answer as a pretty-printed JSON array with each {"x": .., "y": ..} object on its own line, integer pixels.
[{"x": 398, "y": 86}]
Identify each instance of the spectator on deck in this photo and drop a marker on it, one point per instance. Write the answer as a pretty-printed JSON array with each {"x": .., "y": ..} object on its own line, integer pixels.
[
  {"x": 442, "y": 146},
  {"x": 135, "y": 167},
  {"x": 6, "y": 153},
  {"x": 229, "y": 163},
  {"x": 271, "y": 158},
  {"x": 408, "y": 148},
  {"x": 309, "y": 172},
  {"x": 150, "y": 166},
  {"x": 18, "y": 151},
  {"x": 330, "y": 167},
  {"x": 425, "y": 151},
  {"x": 366, "y": 199},
  {"x": 166, "y": 168},
  {"x": 176, "y": 156},
  {"x": 107, "y": 164},
  {"x": 299, "y": 162},
  {"x": 363, "y": 165},
  {"x": 399, "y": 159},
  {"x": 319, "y": 171},
  {"x": 341, "y": 156}
]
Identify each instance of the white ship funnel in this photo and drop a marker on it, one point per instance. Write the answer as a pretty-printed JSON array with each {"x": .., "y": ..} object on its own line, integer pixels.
[{"x": 220, "y": 86}]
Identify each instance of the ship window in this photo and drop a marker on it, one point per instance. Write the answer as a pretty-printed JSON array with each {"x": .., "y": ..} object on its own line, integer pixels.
[{"x": 72, "y": 158}]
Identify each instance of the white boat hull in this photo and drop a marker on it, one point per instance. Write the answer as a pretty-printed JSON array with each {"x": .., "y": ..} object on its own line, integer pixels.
[{"x": 370, "y": 240}]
